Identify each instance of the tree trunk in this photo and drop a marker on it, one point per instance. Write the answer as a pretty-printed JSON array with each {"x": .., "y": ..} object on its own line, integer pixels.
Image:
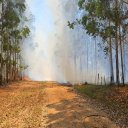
[
  {"x": 116, "y": 44},
  {"x": 121, "y": 55},
  {"x": 111, "y": 60},
  {"x": 1, "y": 58},
  {"x": 117, "y": 57}
]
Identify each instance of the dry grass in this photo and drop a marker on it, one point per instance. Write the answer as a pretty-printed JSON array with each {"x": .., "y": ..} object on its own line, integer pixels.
[
  {"x": 47, "y": 105},
  {"x": 22, "y": 105}
]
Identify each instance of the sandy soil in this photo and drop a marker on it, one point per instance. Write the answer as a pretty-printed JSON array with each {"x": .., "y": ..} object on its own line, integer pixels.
[{"x": 47, "y": 105}]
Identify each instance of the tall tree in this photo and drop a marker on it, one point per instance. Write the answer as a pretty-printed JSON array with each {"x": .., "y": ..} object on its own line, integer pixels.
[
  {"x": 102, "y": 18},
  {"x": 12, "y": 32}
]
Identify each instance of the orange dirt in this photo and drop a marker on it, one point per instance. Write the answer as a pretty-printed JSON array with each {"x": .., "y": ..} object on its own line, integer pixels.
[{"x": 47, "y": 105}]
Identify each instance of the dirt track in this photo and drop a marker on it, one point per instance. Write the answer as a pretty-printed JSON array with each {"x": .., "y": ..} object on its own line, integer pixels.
[{"x": 47, "y": 105}]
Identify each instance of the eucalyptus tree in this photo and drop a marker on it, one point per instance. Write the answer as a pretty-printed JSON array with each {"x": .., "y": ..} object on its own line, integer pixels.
[
  {"x": 95, "y": 23},
  {"x": 12, "y": 33},
  {"x": 104, "y": 18},
  {"x": 2, "y": 10}
]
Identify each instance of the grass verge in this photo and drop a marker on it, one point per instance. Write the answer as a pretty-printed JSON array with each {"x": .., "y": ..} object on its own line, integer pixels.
[
  {"x": 111, "y": 99},
  {"x": 93, "y": 91}
]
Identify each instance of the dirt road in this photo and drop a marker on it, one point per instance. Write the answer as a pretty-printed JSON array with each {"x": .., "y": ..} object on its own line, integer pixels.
[{"x": 47, "y": 105}]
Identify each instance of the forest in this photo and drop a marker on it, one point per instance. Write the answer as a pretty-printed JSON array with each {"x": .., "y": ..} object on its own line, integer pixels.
[
  {"x": 13, "y": 31},
  {"x": 107, "y": 20},
  {"x": 63, "y": 63}
]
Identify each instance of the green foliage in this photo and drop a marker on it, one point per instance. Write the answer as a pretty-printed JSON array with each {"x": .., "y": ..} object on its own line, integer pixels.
[
  {"x": 84, "y": 20},
  {"x": 23, "y": 67},
  {"x": 94, "y": 91},
  {"x": 101, "y": 18},
  {"x": 25, "y": 32},
  {"x": 80, "y": 3},
  {"x": 94, "y": 20},
  {"x": 12, "y": 31},
  {"x": 71, "y": 25},
  {"x": 21, "y": 7},
  {"x": 96, "y": 17}
]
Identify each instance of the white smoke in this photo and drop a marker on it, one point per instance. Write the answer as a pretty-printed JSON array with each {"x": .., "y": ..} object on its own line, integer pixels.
[{"x": 61, "y": 55}]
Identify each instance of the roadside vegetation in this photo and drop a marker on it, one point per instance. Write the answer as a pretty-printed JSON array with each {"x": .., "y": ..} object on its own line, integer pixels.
[{"x": 112, "y": 99}]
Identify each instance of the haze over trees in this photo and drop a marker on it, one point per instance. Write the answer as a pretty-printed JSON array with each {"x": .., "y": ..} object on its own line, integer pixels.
[
  {"x": 12, "y": 31},
  {"x": 107, "y": 19},
  {"x": 67, "y": 67}
]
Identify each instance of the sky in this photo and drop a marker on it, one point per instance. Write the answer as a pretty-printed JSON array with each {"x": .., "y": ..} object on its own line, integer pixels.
[
  {"x": 43, "y": 15},
  {"x": 55, "y": 52}
]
